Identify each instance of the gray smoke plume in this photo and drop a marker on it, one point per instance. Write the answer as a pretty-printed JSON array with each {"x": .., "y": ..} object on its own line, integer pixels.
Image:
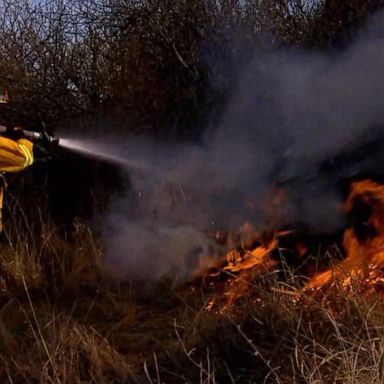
[{"x": 291, "y": 112}]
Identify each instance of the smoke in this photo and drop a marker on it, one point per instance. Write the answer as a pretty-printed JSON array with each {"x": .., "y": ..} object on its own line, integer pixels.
[{"x": 290, "y": 112}]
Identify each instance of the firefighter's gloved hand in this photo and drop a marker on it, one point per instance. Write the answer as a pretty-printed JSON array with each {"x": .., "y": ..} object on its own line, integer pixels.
[
  {"x": 41, "y": 152},
  {"x": 45, "y": 146}
]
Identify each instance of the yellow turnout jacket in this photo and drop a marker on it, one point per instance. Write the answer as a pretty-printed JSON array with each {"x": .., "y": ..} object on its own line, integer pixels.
[{"x": 15, "y": 155}]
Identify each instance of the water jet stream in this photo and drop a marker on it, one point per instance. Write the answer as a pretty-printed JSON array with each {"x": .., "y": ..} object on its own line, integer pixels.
[{"x": 103, "y": 152}]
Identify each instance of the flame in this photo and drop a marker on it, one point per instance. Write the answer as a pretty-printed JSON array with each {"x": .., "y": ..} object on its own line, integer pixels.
[
  {"x": 247, "y": 255},
  {"x": 363, "y": 242},
  {"x": 363, "y": 248},
  {"x": 239, "y": 262}
]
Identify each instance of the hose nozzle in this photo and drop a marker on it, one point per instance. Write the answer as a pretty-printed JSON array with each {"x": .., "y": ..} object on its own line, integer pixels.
[
  {"x": 18, "y": 132},
  {"x": 41, "y": 136},
  {"x": 51, "y": 139}
]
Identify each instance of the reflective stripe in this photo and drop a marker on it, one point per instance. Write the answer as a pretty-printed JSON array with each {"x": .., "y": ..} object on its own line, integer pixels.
[{"x": 27, "y": 154}]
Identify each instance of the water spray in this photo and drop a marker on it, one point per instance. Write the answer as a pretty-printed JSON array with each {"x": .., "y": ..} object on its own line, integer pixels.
[{"x": 102, "y": 151}]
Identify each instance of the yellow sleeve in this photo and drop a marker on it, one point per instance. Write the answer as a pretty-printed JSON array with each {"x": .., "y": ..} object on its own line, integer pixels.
[{"x": 15, "y": 155}]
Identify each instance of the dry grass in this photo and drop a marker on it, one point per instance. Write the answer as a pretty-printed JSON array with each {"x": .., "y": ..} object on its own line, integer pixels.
[{"x": 64, "y": 320}]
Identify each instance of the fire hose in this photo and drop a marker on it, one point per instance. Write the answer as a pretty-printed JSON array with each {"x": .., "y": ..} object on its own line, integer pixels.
[{"x": 18, "y": 133}]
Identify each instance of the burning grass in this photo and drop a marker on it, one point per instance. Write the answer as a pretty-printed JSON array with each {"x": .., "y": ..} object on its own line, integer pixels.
[
  {"x": 64, "y": 319},
  {"x": 360, "y": 255},
  {"x": 103, "y": 332}
]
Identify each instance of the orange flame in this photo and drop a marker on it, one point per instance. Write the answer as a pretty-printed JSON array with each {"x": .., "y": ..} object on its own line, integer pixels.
[{"x": 363, "y": 243}]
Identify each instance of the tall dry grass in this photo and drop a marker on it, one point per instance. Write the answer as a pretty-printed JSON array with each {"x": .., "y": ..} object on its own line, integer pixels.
[{"x": 64, "y": 319}]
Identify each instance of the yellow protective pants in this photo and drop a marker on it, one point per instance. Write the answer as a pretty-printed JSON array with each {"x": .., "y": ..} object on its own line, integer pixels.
[{"x": 15, "y": 155}]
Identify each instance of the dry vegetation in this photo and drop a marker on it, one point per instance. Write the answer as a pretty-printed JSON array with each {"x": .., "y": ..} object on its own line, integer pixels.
[
  {"x": 169, "y": 66},
  {"x": 64, "y": 320}
]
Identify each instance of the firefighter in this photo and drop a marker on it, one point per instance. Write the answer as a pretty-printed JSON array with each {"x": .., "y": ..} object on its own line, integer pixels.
[{"x": 16, "y": 153}]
